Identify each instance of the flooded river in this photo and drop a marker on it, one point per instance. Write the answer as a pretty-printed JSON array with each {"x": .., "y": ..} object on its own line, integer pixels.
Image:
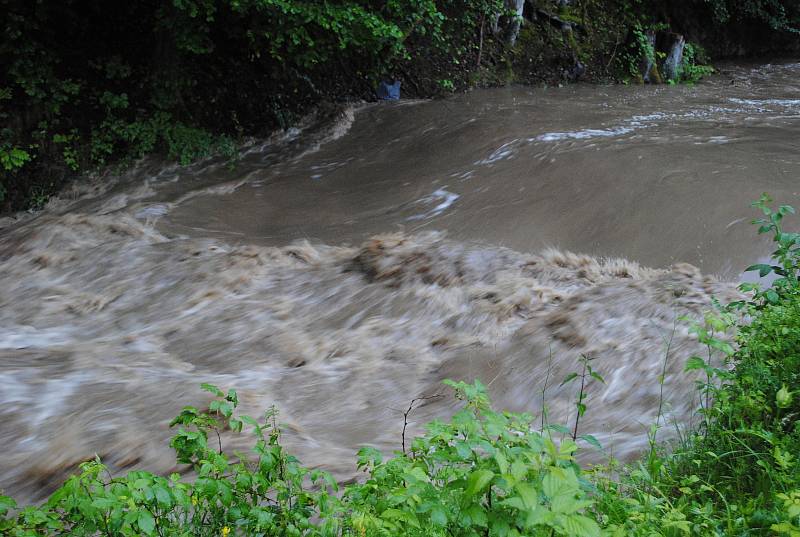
[{"x": 344, "y": 268}]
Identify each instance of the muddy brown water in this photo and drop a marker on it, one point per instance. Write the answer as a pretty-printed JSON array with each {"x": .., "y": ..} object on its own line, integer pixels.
[{"x": 341, "y": 270}]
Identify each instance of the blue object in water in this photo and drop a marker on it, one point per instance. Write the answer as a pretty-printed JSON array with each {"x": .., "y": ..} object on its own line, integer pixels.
[{"x": 389, "y": 91}]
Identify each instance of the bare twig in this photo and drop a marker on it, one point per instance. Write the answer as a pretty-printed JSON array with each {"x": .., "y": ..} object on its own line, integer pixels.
[
  {"x": 613, "y": 54},
  {"x": 480, "y": 45},
  {"x": 544, "y": 388},
  {"x": 581, "y": 396},
  {"x": 662, "y": 379},
  {"x": 408, "y": 411},
  {"x": 219, "y": 440}
]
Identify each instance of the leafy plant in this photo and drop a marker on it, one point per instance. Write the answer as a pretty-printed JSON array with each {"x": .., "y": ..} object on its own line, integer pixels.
[
  {"x": 786, "y": 258},
  {"x": 483, "y": 473},
  {"x": 778, "y": 15},
  {"x": 694, "y": 66},
  {"x": 265, "y": 494},
  {"x": 13, "y": 157},
  {"x": 586, "y": 375}
]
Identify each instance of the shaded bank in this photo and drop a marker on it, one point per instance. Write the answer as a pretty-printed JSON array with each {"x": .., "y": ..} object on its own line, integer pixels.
[{"x": 86, "y": 84}]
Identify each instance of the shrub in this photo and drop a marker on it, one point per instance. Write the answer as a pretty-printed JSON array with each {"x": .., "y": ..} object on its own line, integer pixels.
[{"x": 484, "y": 471}]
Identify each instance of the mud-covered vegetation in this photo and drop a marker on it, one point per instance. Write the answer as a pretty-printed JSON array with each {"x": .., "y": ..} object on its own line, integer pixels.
[
  {"x": 484, "y": 472},
  {"x": 86, "y": 84}
]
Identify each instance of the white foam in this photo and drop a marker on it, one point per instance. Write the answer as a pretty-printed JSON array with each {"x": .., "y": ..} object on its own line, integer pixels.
[
  {"x": 152, "y": 211},
  {"x": 445, "y": 198},
  {"x": 24, "y": 337},
  {"x": 584, "y": 134},
  {"x": 503, "y": 152},
  {"x": 763, "y": 102}
]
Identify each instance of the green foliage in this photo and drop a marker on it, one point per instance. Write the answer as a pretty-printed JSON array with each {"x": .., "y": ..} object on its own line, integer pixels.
[
  {"x": 780, "y": 15},
  {"x": 266, "y": 494},
  {"x": 786, "y": 259},
  {"x": 638, "y": 53},
  {"x": 695, "y": 64},
  {"x": 737, "y": 473},
  {"x": 641, "y": 52},
  {"x": 13, "y": 157},
  {"x": 587, "y": 375},
  {"x": 446, "y": 85},
  {"x": 483, "y": 473}
]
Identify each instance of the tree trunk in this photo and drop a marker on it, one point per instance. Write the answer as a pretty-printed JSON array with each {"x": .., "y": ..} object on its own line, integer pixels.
[
  {"x": 674, "y": 60},
  {"x": 509, "y": 24}
]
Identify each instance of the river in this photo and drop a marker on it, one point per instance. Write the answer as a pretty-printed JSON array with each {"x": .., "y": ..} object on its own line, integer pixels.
[{"x": 345, "y": 267}]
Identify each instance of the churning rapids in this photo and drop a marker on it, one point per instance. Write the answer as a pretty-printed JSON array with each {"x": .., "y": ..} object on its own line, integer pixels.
[{"x": 340, "y": 271}]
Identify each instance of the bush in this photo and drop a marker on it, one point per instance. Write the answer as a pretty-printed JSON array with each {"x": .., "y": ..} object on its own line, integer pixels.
[
  {"x": 780, "y": 15},
  {"x": 695, "y": 63},
  {"x": 484, "y": 471},
  {"x": 738, "y": 473}
]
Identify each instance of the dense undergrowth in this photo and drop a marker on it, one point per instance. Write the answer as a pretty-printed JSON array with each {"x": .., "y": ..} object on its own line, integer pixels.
[
  {"x": 491, "y": 473},
  {"x": 85, "y": 84}
]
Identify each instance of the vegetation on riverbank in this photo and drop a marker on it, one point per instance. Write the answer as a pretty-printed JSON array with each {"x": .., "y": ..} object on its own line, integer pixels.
[
  {"x": 495, "y": 473},
  {"x": 86, "y": 84}
]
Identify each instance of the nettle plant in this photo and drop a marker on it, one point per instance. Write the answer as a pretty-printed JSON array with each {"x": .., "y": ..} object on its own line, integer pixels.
[
  {"x": 482, "y": 473},
  {"x": 265, "y": 493},
  {"x": 785, "y": 263}
]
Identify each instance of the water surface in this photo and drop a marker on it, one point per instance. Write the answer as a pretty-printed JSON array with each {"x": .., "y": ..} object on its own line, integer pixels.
[{"x": 341, "y": 270}]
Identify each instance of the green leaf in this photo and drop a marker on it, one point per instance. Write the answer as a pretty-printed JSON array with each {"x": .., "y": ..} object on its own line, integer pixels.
[
  {"x": 580, "y": 526},
  {"x": 477, "y": 481},
  {"x": 591, "y": 440},
  {"x": 569, "y": 378},
  {"x": 212, "y": 389},
  {"x": 6, "y": 504},
  {"x": 162, "y": 495},
  {"x": 477, "y": 516},
  {"x": 693, "y": 363},
  {"x": 417, "y": 474},
  {"x": 762, "y": 269},
  {"x": 439, "y": 516},
  {"x": 783, "y": 399},
  {"x": 502, "y": 462},
  {"x": 519, "y": 469},
  {"x": 146, "y": 522},
  {"x": 463, "y": 450},
  {"x": 235, "y": 424},
  {"x": 225, "y": 408},
  {"x": 404, "y": 516},
  {"x": 595, "y": 375},
  {"x": 103, "y": 503},
  {"x": 557, "y": 428},
  {"x": 528, "y": 495},
  {"x": 249, "y": 421}
]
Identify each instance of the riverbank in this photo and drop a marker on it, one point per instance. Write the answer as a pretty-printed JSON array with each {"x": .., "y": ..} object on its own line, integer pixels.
[{"x": 210, "y": 75}]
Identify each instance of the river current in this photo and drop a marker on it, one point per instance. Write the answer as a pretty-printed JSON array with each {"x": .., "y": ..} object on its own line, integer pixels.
[{"x": 345, "y": 267}]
